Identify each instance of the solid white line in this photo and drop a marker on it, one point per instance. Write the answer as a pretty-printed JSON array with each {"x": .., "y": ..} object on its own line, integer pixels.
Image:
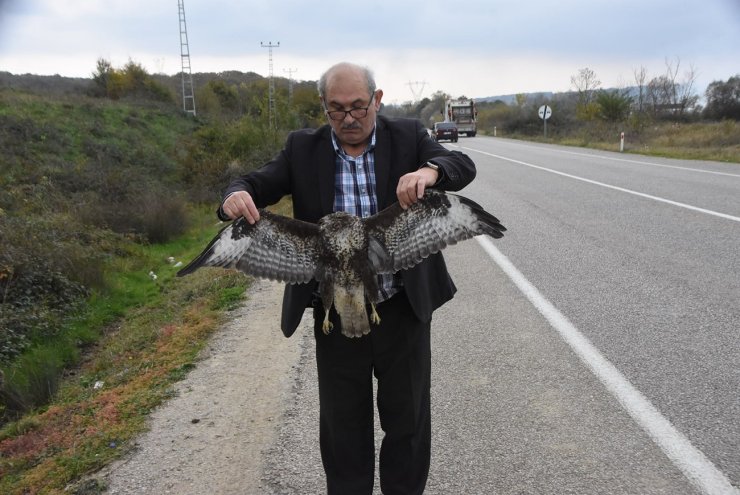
[
  {"x": 652, "y": 164},
  {"x": 616, "y": 188},
  {"x": 691, "y": 461}
]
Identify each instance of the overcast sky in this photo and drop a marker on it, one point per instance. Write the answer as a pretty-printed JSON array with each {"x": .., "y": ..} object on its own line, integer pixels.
[{"x": 476, "y": 47}]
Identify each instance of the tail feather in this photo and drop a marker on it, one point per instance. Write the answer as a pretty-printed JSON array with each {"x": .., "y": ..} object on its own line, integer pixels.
[{"x": 350, "y": 304}]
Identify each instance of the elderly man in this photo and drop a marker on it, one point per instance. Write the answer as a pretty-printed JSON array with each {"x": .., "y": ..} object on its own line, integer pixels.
[{"x": 362, "y": 162}]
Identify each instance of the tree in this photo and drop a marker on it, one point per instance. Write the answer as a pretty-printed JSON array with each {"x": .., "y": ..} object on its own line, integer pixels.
[
  {"x": 132, "y": 80},
  {"x": 586, "y": 83},
  {"x": 723, "y": 99},
  {"x": 102, "y": 75},
  {"x": 669, "y": 96},
  {"x": 641, "y": 82},
  {"x": 614, "y": 105},
  {"x": 434, "y": 109}
]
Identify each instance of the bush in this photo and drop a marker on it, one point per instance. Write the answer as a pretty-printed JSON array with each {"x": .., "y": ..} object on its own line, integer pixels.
[
  {"x": 161, "y": 216},
  {"x": 131, "y": 81},
  {"x": 44, "y": 273},
  {"x": 221, "y": 151},
  {"x": 723, "y": 99},
  {"x": 33, "y": 379},
  {"x": 614, "y": 105}
]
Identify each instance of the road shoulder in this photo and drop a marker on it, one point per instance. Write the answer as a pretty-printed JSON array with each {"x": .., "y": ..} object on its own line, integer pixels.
[{"x": 212, "y": 436}]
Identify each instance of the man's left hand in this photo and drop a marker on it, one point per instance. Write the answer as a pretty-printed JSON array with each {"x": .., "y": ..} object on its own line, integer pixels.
[{"x": 412, "y": 185}]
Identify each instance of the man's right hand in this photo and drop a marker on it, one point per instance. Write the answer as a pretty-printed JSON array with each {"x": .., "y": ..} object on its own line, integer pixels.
[{"x": 241, "y": 204}]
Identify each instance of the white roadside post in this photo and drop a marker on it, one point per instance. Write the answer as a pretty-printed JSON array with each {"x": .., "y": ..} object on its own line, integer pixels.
[{"x": 621, "y": 143}]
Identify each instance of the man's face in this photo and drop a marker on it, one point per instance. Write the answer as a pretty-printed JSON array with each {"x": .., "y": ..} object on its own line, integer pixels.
[{"x": 346, "y": 90}]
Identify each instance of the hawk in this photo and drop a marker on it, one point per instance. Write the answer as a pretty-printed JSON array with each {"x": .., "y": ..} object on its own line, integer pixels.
[{"x": 345, "y": 253}]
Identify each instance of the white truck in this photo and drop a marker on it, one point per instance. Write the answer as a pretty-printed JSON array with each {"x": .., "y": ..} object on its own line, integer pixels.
[{"x": 462, "y": 112}]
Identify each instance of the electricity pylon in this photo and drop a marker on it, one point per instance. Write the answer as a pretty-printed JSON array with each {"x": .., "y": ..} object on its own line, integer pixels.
[
  {"x": 290, "y": 82},
  {"x": 414, "y": 86},
  {"x": 271, "y": 90},
  {"x": 188, "y": 95}
]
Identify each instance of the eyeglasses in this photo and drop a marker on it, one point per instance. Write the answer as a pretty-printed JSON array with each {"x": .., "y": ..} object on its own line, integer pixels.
[{"x": 356, "y": 113}]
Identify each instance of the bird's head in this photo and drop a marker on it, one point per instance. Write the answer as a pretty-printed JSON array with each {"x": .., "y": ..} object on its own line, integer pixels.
[{"x": 343, "y": 230}]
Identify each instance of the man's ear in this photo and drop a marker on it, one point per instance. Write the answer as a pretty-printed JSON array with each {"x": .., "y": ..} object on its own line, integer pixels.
[{"x": 378, "y": 97}]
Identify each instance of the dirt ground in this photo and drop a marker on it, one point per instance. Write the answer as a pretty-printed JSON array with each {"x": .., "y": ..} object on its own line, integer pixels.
[{"x": 196, "y": 444}]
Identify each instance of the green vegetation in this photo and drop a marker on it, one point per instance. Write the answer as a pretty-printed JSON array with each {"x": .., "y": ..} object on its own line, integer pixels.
[
  {"x": 105, "y": 184},
  {"x": 660, "y": 118},
  {"x": 102, "y": 190},
  {"x": 130, "y": 81},
  {"x": 154, "y": 331}
]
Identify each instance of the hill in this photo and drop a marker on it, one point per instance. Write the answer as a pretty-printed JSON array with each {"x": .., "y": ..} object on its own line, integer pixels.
[{"x": 511, "y": 99}]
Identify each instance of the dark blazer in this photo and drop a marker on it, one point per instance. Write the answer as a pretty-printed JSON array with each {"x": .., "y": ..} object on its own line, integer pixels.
[{"x": 305, "y": 168}]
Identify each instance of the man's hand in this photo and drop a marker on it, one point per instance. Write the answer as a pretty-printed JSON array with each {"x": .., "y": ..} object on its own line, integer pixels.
[
  {"x": 411, "y": 186},
  {"x": 241, "y": 204}
]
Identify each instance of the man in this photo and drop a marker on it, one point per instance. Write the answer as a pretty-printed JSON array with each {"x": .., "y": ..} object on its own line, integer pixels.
[{"x": 361, "y": 163}]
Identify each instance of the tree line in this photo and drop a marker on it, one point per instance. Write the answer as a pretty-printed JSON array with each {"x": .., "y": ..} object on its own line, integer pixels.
[{"x": 668, "y": 97}]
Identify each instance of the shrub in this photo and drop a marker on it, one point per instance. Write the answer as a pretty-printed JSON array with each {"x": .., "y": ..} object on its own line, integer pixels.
[
  {"x": 614, "y": 105},
  {"x": 723, "y": 99},
  {"x": 161, "y": 216},
  {"x": 133, "y": 81},
  {"x": 43, "y": 277},
  {"x": 39, "y": 380}
]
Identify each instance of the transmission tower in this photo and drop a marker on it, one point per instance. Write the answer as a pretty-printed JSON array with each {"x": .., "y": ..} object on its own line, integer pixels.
[
  {"x": 188, "y": 96},
  {"x": 271, "y": 90},
  {"x": 290, "y": 82},
  {"x": 415, "y": 90}
]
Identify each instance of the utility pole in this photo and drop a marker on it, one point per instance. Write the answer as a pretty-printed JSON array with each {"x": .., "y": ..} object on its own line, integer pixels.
[
  {"x": 290, "y": 82},
  {"x": 271, "y": 90},
  {"x": 188, "y": 95}
]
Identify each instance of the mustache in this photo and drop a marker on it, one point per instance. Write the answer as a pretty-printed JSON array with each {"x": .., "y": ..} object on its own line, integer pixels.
[{"x": 352, "y": 126}]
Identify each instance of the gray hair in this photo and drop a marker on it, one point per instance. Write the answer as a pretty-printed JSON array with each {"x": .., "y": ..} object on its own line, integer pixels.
[{"x": 346, "y": 65}]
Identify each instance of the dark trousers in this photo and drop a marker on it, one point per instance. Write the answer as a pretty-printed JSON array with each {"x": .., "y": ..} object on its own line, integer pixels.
[{"x": 398, "y": 353}]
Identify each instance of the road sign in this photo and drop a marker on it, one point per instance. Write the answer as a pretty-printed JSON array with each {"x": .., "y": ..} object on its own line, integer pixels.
[{"x": 544, "y": 112}]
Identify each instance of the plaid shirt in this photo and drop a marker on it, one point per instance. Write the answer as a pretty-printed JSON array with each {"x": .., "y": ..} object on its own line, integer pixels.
[{"x": 355, "y": 193}]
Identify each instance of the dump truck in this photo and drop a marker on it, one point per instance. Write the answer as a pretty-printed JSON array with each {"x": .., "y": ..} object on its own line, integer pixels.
[{"x": 462, "y": 112}]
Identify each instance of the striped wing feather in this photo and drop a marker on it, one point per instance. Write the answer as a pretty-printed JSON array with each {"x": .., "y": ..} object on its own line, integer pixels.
[
  {"x": 276, "y": 247},
  {"x": 400, "y": 239}
]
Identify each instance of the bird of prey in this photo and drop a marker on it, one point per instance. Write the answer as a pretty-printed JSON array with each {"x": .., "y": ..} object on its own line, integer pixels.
[{"x": 345, "y": 253}]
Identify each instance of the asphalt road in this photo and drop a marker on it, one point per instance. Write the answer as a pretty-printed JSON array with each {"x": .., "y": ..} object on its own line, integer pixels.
[{"x": 596, "y": 352}]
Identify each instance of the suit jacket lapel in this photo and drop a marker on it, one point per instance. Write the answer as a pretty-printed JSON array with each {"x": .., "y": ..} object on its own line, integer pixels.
[
  {"x": 326, "y": 165},
  {"x": 382, "y": 162}
]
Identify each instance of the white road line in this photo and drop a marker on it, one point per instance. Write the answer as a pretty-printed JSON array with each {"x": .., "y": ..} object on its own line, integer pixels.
[
  {"x": 609, "y": 186},
  {"x": 691, "y": 461},
  {"x": 640, "y": 162}
]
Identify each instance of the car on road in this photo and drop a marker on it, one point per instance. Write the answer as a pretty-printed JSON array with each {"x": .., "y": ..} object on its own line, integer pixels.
[{"x": 445, "y": 130}]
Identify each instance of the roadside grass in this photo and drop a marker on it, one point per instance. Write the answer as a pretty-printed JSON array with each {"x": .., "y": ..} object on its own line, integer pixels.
[
  {"x": 141, "y": 336},
  {"x": 717, "y": 141}
]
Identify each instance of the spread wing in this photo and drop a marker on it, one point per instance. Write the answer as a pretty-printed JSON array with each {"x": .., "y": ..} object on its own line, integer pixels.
[
  {"x": 400, "y": 239},
  {"x": 276, "y": 247}
]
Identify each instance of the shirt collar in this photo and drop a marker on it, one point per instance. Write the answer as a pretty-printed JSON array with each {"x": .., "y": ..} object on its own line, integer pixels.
[{"x": 338, "y": 149}]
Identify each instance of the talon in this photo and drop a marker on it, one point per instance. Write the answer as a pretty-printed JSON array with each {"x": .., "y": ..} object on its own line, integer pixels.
[
  {"x": 326, "y": 326},
  {"x": 374, "y": 316}
]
